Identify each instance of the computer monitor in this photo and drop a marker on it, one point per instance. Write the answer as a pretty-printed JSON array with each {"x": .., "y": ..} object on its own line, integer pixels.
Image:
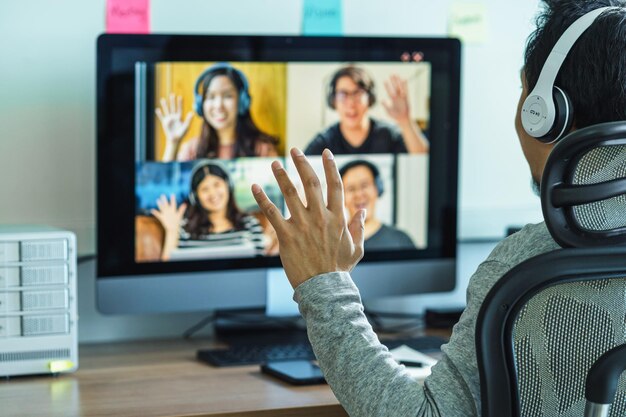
[{"x": 185, "y": 124}]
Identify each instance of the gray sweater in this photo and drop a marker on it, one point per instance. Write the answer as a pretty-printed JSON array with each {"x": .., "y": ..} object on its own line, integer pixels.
[{"x": 361, "y": 372}]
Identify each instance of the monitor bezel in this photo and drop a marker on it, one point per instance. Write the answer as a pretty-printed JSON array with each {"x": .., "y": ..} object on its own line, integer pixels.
[{"x": 115, "y": 129}]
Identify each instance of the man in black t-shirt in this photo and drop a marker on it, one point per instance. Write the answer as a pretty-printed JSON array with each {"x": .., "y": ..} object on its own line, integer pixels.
[
  {"x": 381, "y": 138},
  {"x": 351, "y": 93}
]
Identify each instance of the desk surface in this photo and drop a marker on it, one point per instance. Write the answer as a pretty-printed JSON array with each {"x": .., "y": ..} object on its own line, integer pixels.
[{"x": 160, "y": 378}]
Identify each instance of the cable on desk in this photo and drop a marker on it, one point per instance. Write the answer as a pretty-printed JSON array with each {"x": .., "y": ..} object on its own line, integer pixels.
[{"x": 187, "y": 334}]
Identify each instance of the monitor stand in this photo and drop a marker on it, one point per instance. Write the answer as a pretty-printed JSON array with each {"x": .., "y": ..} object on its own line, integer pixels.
[
  {"x": 254, "y": 326},
  {"x": 279, "y": 321}
]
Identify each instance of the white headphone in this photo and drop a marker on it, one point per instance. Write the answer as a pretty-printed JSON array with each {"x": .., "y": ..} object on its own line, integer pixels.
[{"x": 547, "y": 112}]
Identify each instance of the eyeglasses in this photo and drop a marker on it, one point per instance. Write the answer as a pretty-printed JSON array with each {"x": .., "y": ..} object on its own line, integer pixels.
[
  {"x": 359, "y": 188},
  {"x": 343, "y": 95}
]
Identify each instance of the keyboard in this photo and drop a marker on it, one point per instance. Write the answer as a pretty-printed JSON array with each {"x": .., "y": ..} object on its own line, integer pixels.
[{"x": 258, "y": 353}]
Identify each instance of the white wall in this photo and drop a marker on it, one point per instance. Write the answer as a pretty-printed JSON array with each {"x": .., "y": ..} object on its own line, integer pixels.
[{"x": 47, "y": 99}]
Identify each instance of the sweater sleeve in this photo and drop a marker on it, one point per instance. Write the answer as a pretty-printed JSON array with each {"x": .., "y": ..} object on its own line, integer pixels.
[{"x": 361, "y": 371}]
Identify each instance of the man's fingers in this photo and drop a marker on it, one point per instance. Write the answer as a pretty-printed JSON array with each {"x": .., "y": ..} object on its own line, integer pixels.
[
  {"x": 334, "y": 185},
  {"x": 387, "y": 105},
  {"x": 290, "y": 192},
  {"x": 403, "y": 87},
  {"x": 268, "y": 208},
  {"x": 389, "y": 88},
  {"x": 397, "y": 85},
  {"x": 310, "y": 181},
  {"x": 395, "y": 82},
  {"x": 356, "y": 227}
]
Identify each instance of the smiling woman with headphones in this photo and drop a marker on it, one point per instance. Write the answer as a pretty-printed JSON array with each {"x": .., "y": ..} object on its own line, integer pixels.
[
  {"x": 211, "y": 214},
  {"x": 222, "y": 99}
]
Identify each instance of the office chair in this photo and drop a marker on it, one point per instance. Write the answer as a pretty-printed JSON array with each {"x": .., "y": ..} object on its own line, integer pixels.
[{"x": 544, "y": 325}]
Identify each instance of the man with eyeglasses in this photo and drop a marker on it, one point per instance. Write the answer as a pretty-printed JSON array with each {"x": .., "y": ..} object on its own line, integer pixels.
[
  {"x": 351, "y": 93},
  {"x": 362, "y": 188}
]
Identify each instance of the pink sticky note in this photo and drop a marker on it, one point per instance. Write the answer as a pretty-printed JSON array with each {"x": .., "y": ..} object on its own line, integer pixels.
[{"x": 128, "y": 16}]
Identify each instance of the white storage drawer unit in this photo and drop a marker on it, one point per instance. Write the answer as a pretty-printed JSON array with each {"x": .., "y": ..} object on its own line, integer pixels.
[{"x": 37, "y": 301}]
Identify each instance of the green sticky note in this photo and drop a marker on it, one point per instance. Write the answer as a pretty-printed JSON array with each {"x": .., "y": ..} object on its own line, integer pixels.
[
  {"x": 468, "y": 22},
  {"x": 322, "y": 17}
]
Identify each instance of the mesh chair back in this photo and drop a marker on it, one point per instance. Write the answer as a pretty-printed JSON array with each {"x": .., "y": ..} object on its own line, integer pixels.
[
  {"x": 558, "y": 335},
  {"x": 544, "y": 324}
]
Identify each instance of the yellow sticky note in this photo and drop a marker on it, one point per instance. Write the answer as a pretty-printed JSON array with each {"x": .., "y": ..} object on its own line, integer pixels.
[{"x": 468, "y": 21}]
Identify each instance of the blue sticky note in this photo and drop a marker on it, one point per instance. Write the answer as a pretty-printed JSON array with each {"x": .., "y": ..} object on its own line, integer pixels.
[{"x": 322, "y": 17}]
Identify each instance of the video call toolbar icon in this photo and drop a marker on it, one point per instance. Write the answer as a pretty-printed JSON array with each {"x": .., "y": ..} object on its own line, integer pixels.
[{"x": 415, "y": 56}]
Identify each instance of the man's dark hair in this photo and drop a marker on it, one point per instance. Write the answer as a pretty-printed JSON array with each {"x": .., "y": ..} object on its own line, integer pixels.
[
  {"x": 594, "y": 72},
  {"x": 378, "y": 181},
  {"x": 360, "y": 78}
]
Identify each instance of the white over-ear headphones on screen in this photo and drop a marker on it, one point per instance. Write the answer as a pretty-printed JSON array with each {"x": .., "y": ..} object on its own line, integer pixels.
[{"x": 547, "y": 112}]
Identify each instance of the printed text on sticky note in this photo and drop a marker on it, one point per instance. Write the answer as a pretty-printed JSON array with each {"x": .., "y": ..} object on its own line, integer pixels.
[
  {"x": 322, "y": 17},
  {"x": 468, "y": 22},
  {"x": 128, "y": 16}
]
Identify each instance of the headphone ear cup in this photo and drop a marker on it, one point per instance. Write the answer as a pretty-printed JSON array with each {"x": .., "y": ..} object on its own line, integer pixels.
[
  {"x": 244, "y": 102},
  {"x": 230, "y": 184},
  {"x": 197, "y": 104},
  {"x": 564, "y": 113},
  {"x": 330, "y": 97},
  {"x": 563, "y": 117},
  {"x": 371, "y": 97},
  {"x": 379, "y": 185},
  {"x": 192, "y": 198}
]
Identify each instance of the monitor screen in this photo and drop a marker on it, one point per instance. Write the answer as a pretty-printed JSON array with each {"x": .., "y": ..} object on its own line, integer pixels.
[{"x": 187, "y": 123}]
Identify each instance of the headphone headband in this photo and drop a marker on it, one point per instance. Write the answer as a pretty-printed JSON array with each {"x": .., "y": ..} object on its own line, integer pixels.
[
  {"x": 244, "y": 94},
  {"x": 348, "y": 71},
  {"x": 540, "y": 115},
  {"x": 206, "y": 164}
]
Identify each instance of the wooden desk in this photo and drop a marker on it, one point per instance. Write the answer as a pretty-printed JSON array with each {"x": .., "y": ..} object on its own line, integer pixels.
[{"x": 160, "y": 378}]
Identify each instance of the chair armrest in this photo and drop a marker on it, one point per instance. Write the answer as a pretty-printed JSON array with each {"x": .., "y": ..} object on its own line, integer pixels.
[{"x": 602, "y": 381}]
